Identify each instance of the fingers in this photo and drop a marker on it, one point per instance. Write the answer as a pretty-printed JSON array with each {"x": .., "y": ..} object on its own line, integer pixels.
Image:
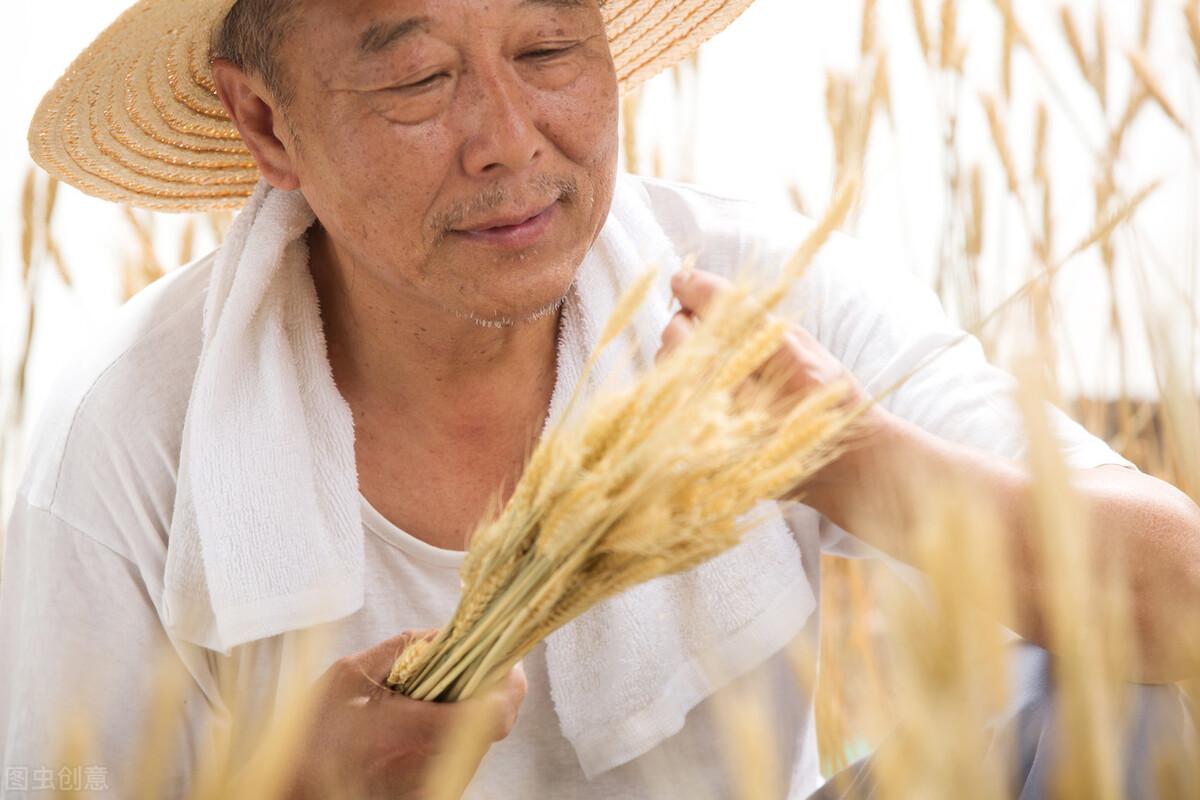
[
  {"x": 505, "y": 701},
  {"x": 492, "y": 713},
  {"x": 677, "y": 330},
  {"x": 375, "y": 663},
  {"x": 516, "y": 686},
  {"x": 696, "y": 288},
  {"x": 388, "y": 740}
]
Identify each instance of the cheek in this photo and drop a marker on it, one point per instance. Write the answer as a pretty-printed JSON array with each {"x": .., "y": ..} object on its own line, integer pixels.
[
  {"x": 377, "y": 183},
  {"x": 378, "y": 159},
  {"x": 595, "y": 139},
  {"x": 584, "y": 124}
]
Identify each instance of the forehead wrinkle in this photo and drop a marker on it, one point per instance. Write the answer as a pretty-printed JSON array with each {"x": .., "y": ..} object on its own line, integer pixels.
[{"x": 381, "y": 35}]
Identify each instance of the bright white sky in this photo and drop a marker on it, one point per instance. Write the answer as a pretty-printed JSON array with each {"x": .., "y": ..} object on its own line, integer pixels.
[{"x": 760, "y": 126}]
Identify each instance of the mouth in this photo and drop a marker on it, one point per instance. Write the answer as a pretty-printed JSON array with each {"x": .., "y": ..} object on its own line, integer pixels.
[{"x": 512, "y": 231}]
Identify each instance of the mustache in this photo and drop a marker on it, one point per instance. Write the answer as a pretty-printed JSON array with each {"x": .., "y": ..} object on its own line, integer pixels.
[{"x": 549, "y": 187}]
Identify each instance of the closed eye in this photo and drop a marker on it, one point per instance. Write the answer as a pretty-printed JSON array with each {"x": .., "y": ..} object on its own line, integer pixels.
[
  {"x": 544, "y": 54},
  {"x": 548, "y": 52},
  {"x": 422, "y": 84}
]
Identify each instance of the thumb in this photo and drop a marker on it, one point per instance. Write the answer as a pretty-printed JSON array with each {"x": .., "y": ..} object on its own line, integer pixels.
[
  {"x": 377, "y": 661},
  {"x": 696, "y": 289}
]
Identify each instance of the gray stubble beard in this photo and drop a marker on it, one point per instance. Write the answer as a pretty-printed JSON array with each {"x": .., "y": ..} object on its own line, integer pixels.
[{"x": 508, "y": 322}]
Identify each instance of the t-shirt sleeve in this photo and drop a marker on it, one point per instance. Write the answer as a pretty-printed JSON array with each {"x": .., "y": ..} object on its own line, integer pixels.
[
  {"x": 882, "y": 323},
  {"x": 80, "y": 640},
  {"x": 873, "y": 316}
]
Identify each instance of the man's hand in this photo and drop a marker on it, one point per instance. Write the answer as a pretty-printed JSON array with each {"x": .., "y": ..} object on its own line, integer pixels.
[
  {"x": 802, "y": 360},
  {"x": 378, "y": 743},
  {"x": 802, "y": 363}
]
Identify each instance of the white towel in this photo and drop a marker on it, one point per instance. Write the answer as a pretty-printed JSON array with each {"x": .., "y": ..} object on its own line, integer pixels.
[
  {"x": 625, "y": 674},
  {"x": 267, "y": 536}
]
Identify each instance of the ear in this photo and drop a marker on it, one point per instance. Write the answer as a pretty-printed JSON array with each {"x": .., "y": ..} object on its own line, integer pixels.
[{"x": 252, "y": 110}]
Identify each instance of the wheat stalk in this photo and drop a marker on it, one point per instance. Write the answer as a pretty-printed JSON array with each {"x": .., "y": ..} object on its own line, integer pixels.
[
  {"x": 867, "y": 35},
  {"x": 1000, "y": 143},
  {"x": 1139, "y": 97},
  {"x": 974, "y": 241},
  {"x": 28, "y": 223},
  {"x": 1075, "y": 41},
  {"x": 922, "y": 28},
  {"x": 947, "y": 48},
  {"x": 52, "y": 250},
  {"x": 1191, "y": 14},
  {"x": 1147, "y": 21},
  {"x": 1041, "y": 132},
  {"x": 1100, "y": 78},
  {"x": 1145, "y": 74},
  {"x": 630, "y": 104},
  {"x": 1107, "y": 223}
]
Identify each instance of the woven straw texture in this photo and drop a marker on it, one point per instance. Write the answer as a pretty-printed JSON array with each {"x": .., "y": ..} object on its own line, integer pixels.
[{"x": 136, "y": 119}]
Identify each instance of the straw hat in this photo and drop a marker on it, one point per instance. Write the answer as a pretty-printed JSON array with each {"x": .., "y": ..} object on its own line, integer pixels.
[{"x": 136, "y": 118}]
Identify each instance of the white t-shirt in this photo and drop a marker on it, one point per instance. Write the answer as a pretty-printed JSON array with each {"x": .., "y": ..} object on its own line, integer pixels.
[{"x": 80, "y": 598}]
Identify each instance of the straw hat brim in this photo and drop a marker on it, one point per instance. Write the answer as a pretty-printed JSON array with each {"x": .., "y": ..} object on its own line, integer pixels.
[{"x": 136, "y": 119}]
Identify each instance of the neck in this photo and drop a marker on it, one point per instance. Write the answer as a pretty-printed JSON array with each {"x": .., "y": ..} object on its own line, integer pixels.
[{"x": 394, "y": 353}]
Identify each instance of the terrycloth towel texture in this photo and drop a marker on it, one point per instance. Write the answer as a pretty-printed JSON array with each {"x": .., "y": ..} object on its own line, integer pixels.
[
  {"x": 267, "y": 536},
  {"x": 625, "y": 674}
]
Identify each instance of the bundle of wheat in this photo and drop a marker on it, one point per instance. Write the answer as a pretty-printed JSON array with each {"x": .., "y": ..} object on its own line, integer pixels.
[{"x": 647, "y": 481}]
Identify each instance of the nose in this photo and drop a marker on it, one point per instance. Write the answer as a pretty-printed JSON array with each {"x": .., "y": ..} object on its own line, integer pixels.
[{"x": 504, "y": 131}]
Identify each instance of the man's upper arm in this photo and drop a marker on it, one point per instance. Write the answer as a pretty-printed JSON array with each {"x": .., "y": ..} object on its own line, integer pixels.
[
  {"x": 79, "y": 638},
  {"x": 882, "y": 324}
]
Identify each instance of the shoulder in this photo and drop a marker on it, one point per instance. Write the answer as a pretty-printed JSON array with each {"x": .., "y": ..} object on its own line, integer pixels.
[
  {"x": 852, "y": 288},
  {"x": 105, "y": 447},
  {"x": 726, "y": 232},
  {"x": 732, "y": 234}
]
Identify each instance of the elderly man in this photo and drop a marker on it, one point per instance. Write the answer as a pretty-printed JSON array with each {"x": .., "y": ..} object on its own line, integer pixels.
[{"x": 299, "y": 431}]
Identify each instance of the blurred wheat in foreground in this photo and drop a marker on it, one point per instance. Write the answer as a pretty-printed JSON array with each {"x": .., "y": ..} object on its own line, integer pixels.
[{"x": 910, "y": 677}]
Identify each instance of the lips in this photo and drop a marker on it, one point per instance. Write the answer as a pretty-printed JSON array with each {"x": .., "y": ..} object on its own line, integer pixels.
[
  {"x": 506, "y": 221},
  {"x": 513, "y": 231}
]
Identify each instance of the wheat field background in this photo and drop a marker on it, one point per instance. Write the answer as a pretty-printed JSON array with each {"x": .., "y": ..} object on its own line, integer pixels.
[{"x": 1037, "y": 163}]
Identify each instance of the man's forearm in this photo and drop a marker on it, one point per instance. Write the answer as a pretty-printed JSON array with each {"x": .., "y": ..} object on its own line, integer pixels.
[{"x": 876, "y": 492}]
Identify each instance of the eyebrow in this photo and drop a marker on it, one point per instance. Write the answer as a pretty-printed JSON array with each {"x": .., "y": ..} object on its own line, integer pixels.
[{"x": 382, "y": 35}]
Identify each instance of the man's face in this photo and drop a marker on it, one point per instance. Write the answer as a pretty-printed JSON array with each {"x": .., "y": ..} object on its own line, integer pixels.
[{"x": 421, "y": 122}]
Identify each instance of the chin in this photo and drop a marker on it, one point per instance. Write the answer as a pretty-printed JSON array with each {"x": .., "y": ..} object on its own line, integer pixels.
[
  {"x": 514, "y": 319},
  {"x": 526, "y": 301},
  {"x": 516, "y": 316}
]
